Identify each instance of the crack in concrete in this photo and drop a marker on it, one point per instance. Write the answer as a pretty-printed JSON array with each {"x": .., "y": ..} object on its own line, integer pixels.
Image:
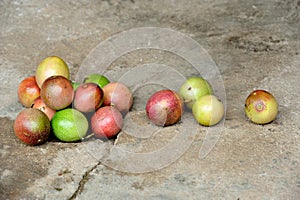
[{"x": 83, "y": 181}]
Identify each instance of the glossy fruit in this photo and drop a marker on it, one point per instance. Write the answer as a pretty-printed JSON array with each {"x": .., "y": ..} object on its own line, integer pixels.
[
  {"x": 51, "y": 66},
  {"x": 57, "y": 92},
  {"x": 69, "y": 125},
  {"x": 88, "y": 97},
  {"x": 106, "y": 122},
  {"x": 99, "y": 79},
  {"x": 261, "y": 107},
  {"x": 32, "y": 126},
  {"x": 208, "y": 110},
  {"x": 28, "y": 91},
  {"x": 193, "y": 89},
  {"x": 164, "y": 108},
  {"x": 118, "y": 95},
  {"x": 39, "y": 104}
]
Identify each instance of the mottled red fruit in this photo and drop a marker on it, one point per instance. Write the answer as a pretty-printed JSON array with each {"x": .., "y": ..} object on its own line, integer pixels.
[
  {"x": 57, "y": 92},
  {"x": 164, "y": 108},
  {"x": 28, "y": 91},
  {"x": 32, "y": 126},
  {"x": 106, "y": 122},
  {"x": 118, "y": 95},
  {"x": 88, "y": 97},
  {"x": 39, "y": 104}
]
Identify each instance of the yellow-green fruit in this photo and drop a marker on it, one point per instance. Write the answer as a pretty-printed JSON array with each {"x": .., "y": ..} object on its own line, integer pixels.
[
  {"x": 208, "y": 110},
  {"x": 51, "y": 66},
  {"x": 69, "y": 125},
  {"x": 261, "y": 107},
  {"x": 194, "y": 88},
  {"x": 99, "y": 79}
]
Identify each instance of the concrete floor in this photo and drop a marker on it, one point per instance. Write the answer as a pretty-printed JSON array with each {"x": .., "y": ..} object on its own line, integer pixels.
[{"x": 255, "y": 44}]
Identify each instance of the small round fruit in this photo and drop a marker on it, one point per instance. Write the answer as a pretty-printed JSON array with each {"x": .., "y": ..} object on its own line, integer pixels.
[
  {"x": 106, "y": 122},
  {"x": 57, "y": 92},
  {"x": 193, "y": 89},
  {"x": 99, "y": 79},
  {"x": 28, "y": 91},
  {"x": 208, "y": 110},
  {"x": 32, "y": 126},
  {"x": 164, "y": 108},
  {"x": 69, "y": 125},
  {"x": 51, "y": 66},
  {"x": 118, "y": 95},
  {"x": 88, "y": 97},
  {"x": 261, "y": 107},
  {"x": 39, "y": 104}
]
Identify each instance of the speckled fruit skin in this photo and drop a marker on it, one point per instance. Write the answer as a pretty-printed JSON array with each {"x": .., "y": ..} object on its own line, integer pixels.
[
  {"x": 261, "y": 107},
  {"x": 194, "y": 88},
  {"x": 208, "y": 110},
  {"x": 32, "y": 126},
  {"x": 28, "y": 91},
  {"x": 39, "y": 104},
  {"x": 57, "y": 92},
  {"x": 51, "y": 66},
  {"x": 106, "y": 122},
  {"x": 118, "y": 95},
  {"x": 88, "y": 97},
  {"x": 164, "y": 108}
]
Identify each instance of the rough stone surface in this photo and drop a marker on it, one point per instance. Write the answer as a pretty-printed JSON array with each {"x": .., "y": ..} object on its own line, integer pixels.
[{"x": 255, "y": 44}]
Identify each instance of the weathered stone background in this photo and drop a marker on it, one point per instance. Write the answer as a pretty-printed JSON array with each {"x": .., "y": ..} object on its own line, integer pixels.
[{"x": 255, "y": 44}]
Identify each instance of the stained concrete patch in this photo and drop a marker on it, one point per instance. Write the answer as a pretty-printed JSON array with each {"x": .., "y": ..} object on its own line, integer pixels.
[{"x": 66, "y": 172}]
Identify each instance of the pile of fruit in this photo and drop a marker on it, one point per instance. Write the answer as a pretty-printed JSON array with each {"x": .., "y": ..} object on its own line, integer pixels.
[{"x": 69, "y": 110}]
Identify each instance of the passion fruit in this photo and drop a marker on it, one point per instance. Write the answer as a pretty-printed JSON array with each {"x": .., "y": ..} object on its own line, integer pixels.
[
  {"x": 40, "y": 104},
  {"x": 99, "y": 79},
  {"x": 28, "y": 91},
  {"x": 69, "y": 125},
  {"x": 261, "y": 107},
  {"x": 118, "y": 95},
  {"x": 193, "y": 89},
  {"x": 164, "y": 107},
  {"x": 32, "y": 126},
  {"x": 57, "y": 92},
  {"x": 75, "y": 85},
  {"x": 208, "y": 110},
  {"x": 51, "y": 66},
  {"x": 88, "y": 97},
  {"x": 106, "y": 122}
]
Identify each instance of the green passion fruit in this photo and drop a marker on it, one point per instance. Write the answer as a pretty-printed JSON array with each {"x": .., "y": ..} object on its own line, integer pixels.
[
  {"x": 69, "y": 125},
  {"x": 99, "y": 79},
  {"x": 193, "y": 89},
  {"x": 208, "y": 110}
]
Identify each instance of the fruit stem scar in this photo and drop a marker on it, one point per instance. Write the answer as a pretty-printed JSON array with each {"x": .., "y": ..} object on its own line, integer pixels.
[{"x": 259, "y": 106}]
